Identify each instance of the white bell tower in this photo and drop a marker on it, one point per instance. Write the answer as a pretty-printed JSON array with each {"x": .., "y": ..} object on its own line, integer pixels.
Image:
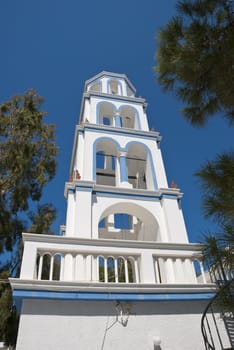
[{"x": 123, "y": 274}]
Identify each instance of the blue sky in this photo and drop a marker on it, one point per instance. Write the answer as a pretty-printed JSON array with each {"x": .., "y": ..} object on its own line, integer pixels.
[{"x": 55, "y": 45}]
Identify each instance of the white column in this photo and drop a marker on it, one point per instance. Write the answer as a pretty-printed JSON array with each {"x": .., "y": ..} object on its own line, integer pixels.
[
  {"x": 28, "y": 261},
  {"x": 170, "y": 275},
  {"x": 105, "y": 270},
  {"x": 202, "y": 271},
  {"x": 117, "y": 120},
  {"x": 157, "y": 270},
  {"x": 126, "y": 270},
  {"x": 70, "y": 220},
  {"x": 51, "y": 268},
  {"x": 68, "y": 268},
  {"x": 40, "y": 267},
  {"x": 147, "y": 268},
  {"x": 179, "y": 271},
  {"x": 116, "y": 270},
  {"x": 123, "y": 170},
  {"x": 189, "y": 269},
  {"x": 137, "y": 277}
]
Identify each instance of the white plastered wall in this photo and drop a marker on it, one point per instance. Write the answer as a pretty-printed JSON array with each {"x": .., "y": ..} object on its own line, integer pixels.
[
  {"x": 174, "y": 220},
  {"x": 90, "y": 325}
]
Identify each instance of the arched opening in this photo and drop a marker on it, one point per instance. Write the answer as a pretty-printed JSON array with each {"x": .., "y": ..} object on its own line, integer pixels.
[
  {"x": 140, "y": 172},
  {"x": 56, "y": 267},
  {"x": 106, "y": 113},
  {"x": 95, "y": 87},
  {"x": 106, "y": 157},
  {"x": 128, "y": 118},
  {"x": 128, "y": 221},
  {"x": 43, "y": 266},
  {"x": 111, "y": 269},
  {"x": 114, "y": 87}
]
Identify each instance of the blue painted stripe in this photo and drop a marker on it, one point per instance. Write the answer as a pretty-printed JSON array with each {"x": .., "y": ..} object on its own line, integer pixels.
[
  {"x": 84, "y": 188},
  {"x": 123, "y": 169},
  {"x": 54, "y": 295}
]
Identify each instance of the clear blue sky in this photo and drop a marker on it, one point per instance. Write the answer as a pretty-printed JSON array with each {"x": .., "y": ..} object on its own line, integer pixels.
[{"x": 55, "y": 45}]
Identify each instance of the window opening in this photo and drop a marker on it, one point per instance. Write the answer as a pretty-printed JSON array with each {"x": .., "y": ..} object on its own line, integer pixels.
[
  {"x": 122, "y": 221},
  {"x": 106, "y": 121},
  {"x": 114, "y": 86},
  {"x": 100, "y": 160},
  {"x": 101, "y": 269},
  {"x": 102, "y": 223},
  {"x": 111, "y": 270},
  {"x": 113, "y": 162}
]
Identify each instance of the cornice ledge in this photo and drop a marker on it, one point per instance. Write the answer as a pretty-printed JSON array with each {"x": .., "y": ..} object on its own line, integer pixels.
[
  {"x": 89, "y": 94},
  {"x": 114, "y": 129},
  {"x": 140, "y": 192},
  {"x": 69, "y": 286},
  {"x": 171, "y": 192},
  {"x": 33, "y": 237},
  {"x": 77, "y": 183}
]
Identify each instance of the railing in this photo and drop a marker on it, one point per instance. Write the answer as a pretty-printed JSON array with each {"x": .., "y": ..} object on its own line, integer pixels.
[
  {"x": 110, "y": 261},
  {"x": 87, "y": 267},
  {"x": 218, "y": 317}
]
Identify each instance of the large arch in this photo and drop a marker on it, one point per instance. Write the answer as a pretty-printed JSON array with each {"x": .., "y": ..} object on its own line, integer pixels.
[
  {"x": 143, "y": 226},
  {"x": 141, "y": 170}
]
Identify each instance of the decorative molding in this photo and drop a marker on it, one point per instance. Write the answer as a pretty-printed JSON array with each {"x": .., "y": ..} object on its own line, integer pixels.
[{"x": 32, "y": 237}]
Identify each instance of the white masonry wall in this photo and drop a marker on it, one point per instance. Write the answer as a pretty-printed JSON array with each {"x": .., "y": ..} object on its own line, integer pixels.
[{"x": 50, "y": 325}]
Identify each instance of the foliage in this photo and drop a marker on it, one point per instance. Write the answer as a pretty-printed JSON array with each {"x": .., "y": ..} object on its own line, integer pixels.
[
  {"x": 217, "y": 178},
  {"x": 27, "y": 162},
  {"x": 195, "y": 58},
  {"x": 218, "y": 253},
  {"x": 42, "y": 219},
  {"x": 8, "y": 315}
]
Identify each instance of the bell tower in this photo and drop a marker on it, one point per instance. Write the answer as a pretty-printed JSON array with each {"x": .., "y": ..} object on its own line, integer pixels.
[
  {"x": 122, "y": 270},
  {"x": 117, "y": 164}
]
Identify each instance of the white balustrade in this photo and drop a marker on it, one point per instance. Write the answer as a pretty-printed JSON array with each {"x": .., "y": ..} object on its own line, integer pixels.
[
  {"x": 174, "y": 269},
  {"x": 102, "y": 261}
]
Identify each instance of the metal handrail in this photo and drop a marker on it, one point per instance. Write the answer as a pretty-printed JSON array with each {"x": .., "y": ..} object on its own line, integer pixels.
[{"x": 208, "y": 345}]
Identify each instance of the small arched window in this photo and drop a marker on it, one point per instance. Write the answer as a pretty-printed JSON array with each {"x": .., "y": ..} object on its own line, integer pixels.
[
  {"x": 114, "y": 87},
  {"x": 95, "y": 87}
]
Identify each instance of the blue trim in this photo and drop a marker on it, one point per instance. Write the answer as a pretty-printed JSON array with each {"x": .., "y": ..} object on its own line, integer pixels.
[
  {"x": 118, "y": 122},
  {"x": 21, "y": 294},
  {"x": 123, "y": 169},
  {"x": 84, "y": 188}
]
